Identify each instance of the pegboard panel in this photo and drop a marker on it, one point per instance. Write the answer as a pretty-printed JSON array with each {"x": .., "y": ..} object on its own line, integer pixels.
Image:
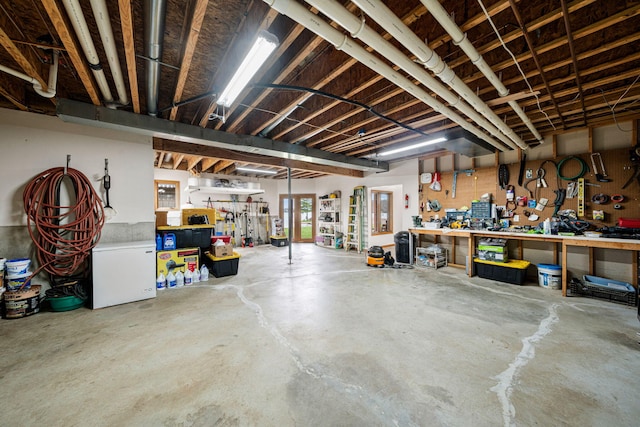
[{"x": 618, "y": 168}]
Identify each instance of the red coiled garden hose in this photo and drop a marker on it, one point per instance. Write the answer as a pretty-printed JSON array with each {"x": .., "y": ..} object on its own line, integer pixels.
[{"x": 63, "y": 235}]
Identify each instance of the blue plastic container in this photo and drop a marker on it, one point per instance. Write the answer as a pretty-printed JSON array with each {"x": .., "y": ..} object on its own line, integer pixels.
[{"x": 169, "y": 242}]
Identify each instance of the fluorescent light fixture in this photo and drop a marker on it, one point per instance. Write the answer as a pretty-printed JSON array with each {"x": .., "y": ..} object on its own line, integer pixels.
[
  {"x": 411, "y": 147},
  {"x": 268, "y": 172},
  {"x": 264, "y": 45}
]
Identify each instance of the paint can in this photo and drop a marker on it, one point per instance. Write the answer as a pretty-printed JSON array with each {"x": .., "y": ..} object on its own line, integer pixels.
[
  {"x": 550, "y": 276},
  {"x": 22, "y": 303}
]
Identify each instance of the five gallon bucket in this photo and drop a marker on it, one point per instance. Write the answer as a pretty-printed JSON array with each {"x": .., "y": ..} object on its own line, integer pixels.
[
  {"x": 21, "y": 303},
  {"x": 550, "y": 276},
  {"x": 2, "y": 262},
  {"x": 17, "y": 266},
  {"x": 18, "y": 281}
]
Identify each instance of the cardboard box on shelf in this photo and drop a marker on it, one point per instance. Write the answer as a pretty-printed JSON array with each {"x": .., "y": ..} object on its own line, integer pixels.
[{"x": 161, "y": 218}]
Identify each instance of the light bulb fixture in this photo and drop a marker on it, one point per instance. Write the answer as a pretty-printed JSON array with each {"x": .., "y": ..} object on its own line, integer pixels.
[
  {"x": 264, "y": 45},
  {"x": 411, "y": 147},
  {"x": 264, "y": 171}
]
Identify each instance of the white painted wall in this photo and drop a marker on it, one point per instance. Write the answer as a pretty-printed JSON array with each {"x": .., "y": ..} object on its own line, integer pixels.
[{"x": 32, "y": 143}]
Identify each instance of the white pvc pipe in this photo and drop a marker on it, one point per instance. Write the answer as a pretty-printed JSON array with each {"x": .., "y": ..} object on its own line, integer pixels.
[
  {"x": 101, "y": 14},
  {"x": 53, "y": 78},
  {"x": 84, "y": 36},
  {"x": 430, "y": 59},
  {"x": 460, "y": 39},
  {"x": 321, "y": 28},
  {"x": 357, "y": 28}
]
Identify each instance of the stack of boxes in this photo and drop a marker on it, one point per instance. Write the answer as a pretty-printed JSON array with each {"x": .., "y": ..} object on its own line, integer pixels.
[
  {"x": 493, "y": 262},
  {"x": 490, "y": 249}
]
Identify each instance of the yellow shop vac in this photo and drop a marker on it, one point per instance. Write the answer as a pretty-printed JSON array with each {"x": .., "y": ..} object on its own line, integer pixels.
[{"x": 375, "y": 256}]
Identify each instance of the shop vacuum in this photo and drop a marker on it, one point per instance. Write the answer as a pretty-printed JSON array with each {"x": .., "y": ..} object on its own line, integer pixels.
[{"x": 375, "y": 256}]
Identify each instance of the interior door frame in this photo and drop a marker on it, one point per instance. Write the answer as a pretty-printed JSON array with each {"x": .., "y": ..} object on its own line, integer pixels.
[{"x": 296, "y": 237}]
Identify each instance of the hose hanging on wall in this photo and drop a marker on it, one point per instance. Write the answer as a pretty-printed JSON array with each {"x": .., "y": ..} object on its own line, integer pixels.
[{"x": 63, "y": 235}]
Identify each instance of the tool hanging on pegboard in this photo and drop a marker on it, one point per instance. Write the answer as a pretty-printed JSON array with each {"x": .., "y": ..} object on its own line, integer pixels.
[{"x": 580, "y": 197}]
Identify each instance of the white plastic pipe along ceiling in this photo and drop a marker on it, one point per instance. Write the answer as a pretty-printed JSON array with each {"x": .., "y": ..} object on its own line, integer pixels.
[
  {"x": 460, "y": 39},
  {"x": 101, "y": 14},
  {"x": 84, "y": 36},
  {"x": 430, "y": 59},
  {"x": 309, "y": 20},
  {"x": 53, "y": 77},
  {"x": 358, "y": 29}
]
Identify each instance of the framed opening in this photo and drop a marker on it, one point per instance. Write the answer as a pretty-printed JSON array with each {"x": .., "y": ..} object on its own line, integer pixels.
[
  {"x": 167, "y": 195},
  {"x": 381, "y": 212}
]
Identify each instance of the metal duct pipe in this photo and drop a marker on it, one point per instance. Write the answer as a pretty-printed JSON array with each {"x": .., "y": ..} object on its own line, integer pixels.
[
  {"x": 321, "y": 28},
  {"x": 359, "y": 29},
  {"x": 84, "y": 36},
  {"x": 154, "y": 15},
  {"x": 460, "y": 39},
  {"x": 53, "y": 77},
  {"x": 101, "y": 14},
  {"x": 430, "y": 59}
]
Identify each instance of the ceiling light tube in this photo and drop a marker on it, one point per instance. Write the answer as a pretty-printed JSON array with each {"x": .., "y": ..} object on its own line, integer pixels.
[
  {"x": 264, "y": 45},
  {"x": 411, "y": 147},
  {"x": 268, "y": 172}
]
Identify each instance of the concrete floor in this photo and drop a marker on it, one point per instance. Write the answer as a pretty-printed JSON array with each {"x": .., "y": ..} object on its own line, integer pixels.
[{"x": 327, "y": 341}]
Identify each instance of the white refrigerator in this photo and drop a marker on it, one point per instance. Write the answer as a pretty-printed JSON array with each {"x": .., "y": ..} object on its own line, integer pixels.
[{"x": 123, "y": 272}]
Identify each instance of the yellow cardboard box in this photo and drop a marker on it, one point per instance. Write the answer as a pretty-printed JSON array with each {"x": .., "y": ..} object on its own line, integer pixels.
[{"x": 177, "y": 260}]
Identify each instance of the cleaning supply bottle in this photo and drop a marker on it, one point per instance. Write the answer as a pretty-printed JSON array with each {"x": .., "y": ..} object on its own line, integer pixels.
[
  {"x": 204, "y": 273},
  {"x": 179, "y": 279},
  {"x": 158, "y": 242},
  {"x": 161, "y": 282},
  {"x": 196, "y": 275},
  {"x": 171, "y": 280},
  {"x": 188, "y": 277}
]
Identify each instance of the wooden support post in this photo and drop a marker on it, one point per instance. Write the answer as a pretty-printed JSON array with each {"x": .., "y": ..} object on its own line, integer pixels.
[
  {"x": 555, "y": 253},
  {"x": 592, "y": 269}
]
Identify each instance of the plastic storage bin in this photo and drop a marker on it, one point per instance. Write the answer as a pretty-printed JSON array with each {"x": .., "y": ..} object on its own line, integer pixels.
[
  {"x": 514, "y": 271},
  {"x": 607, "y": 289},
  {"x": 222, "y": 266},
  {"x": 279, "y": 241}
]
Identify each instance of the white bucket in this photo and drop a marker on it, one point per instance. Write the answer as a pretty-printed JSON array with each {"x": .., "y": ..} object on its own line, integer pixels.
[
  {"x": 550, "y": 276},
  {"x": 18, "y": 266},
  {"x": 18, "y": 281},
  {"x": 2, "y": 262}
]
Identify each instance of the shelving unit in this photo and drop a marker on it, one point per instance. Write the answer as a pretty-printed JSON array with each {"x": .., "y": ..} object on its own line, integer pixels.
[
  {"x": 328, "y": 228},
  {"x": 224, "y": 190},
  {"x": 434, "y": 257}
]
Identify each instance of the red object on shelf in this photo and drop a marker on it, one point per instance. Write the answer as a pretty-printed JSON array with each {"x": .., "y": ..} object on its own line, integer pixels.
[
  {"x": 629, "y": 222},
  {"x": 225, "y": 239}
]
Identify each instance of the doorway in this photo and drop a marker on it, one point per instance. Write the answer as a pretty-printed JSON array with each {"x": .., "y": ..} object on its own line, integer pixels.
[{"x": 303, "y": 208}]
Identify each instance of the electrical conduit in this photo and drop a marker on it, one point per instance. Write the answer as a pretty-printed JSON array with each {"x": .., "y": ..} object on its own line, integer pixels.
[
  {"x": 460, "y": 39},
  {"x": 430, "y": 59},
  {"x": 309, "y": 20}
]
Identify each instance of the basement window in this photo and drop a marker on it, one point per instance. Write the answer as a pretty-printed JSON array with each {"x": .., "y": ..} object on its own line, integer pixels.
[
  {"x": 381, "y": 212},
  {"x": 167, "y": 195}
]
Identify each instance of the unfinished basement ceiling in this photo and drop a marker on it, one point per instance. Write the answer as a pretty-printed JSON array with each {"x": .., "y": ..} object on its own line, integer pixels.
[{"x": 558, "y": 65}]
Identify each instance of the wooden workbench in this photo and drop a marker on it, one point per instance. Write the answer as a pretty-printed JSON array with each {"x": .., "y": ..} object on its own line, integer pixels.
[{"x": 560, "y": 244}]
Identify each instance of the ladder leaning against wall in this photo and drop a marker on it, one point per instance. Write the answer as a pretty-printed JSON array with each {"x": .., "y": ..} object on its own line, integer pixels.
[{"x": 356, "y": 221}]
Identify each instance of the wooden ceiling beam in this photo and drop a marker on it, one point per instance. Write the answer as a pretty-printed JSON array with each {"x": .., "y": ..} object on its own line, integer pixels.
[
  {"x": 572, "y": 50},
  {"x": 193, "y": 161},
  {"x": 177, "y": 159},
  {"x": 207, "y": 162},
  {"x": 222, "y": 165},
  {"x": 126, "y": 24},
  {"x": 27, "y": 60},
  {"x": 197, "y": 18},
  {"x": 161, "y": 155},
  {"x": 534, "y": 55},
  {"x": 13, "y": 92},
  {"x": 233, "y": 156},
  {"x": 409, "y": 18},
  {"x": 65, "y": 34}
]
